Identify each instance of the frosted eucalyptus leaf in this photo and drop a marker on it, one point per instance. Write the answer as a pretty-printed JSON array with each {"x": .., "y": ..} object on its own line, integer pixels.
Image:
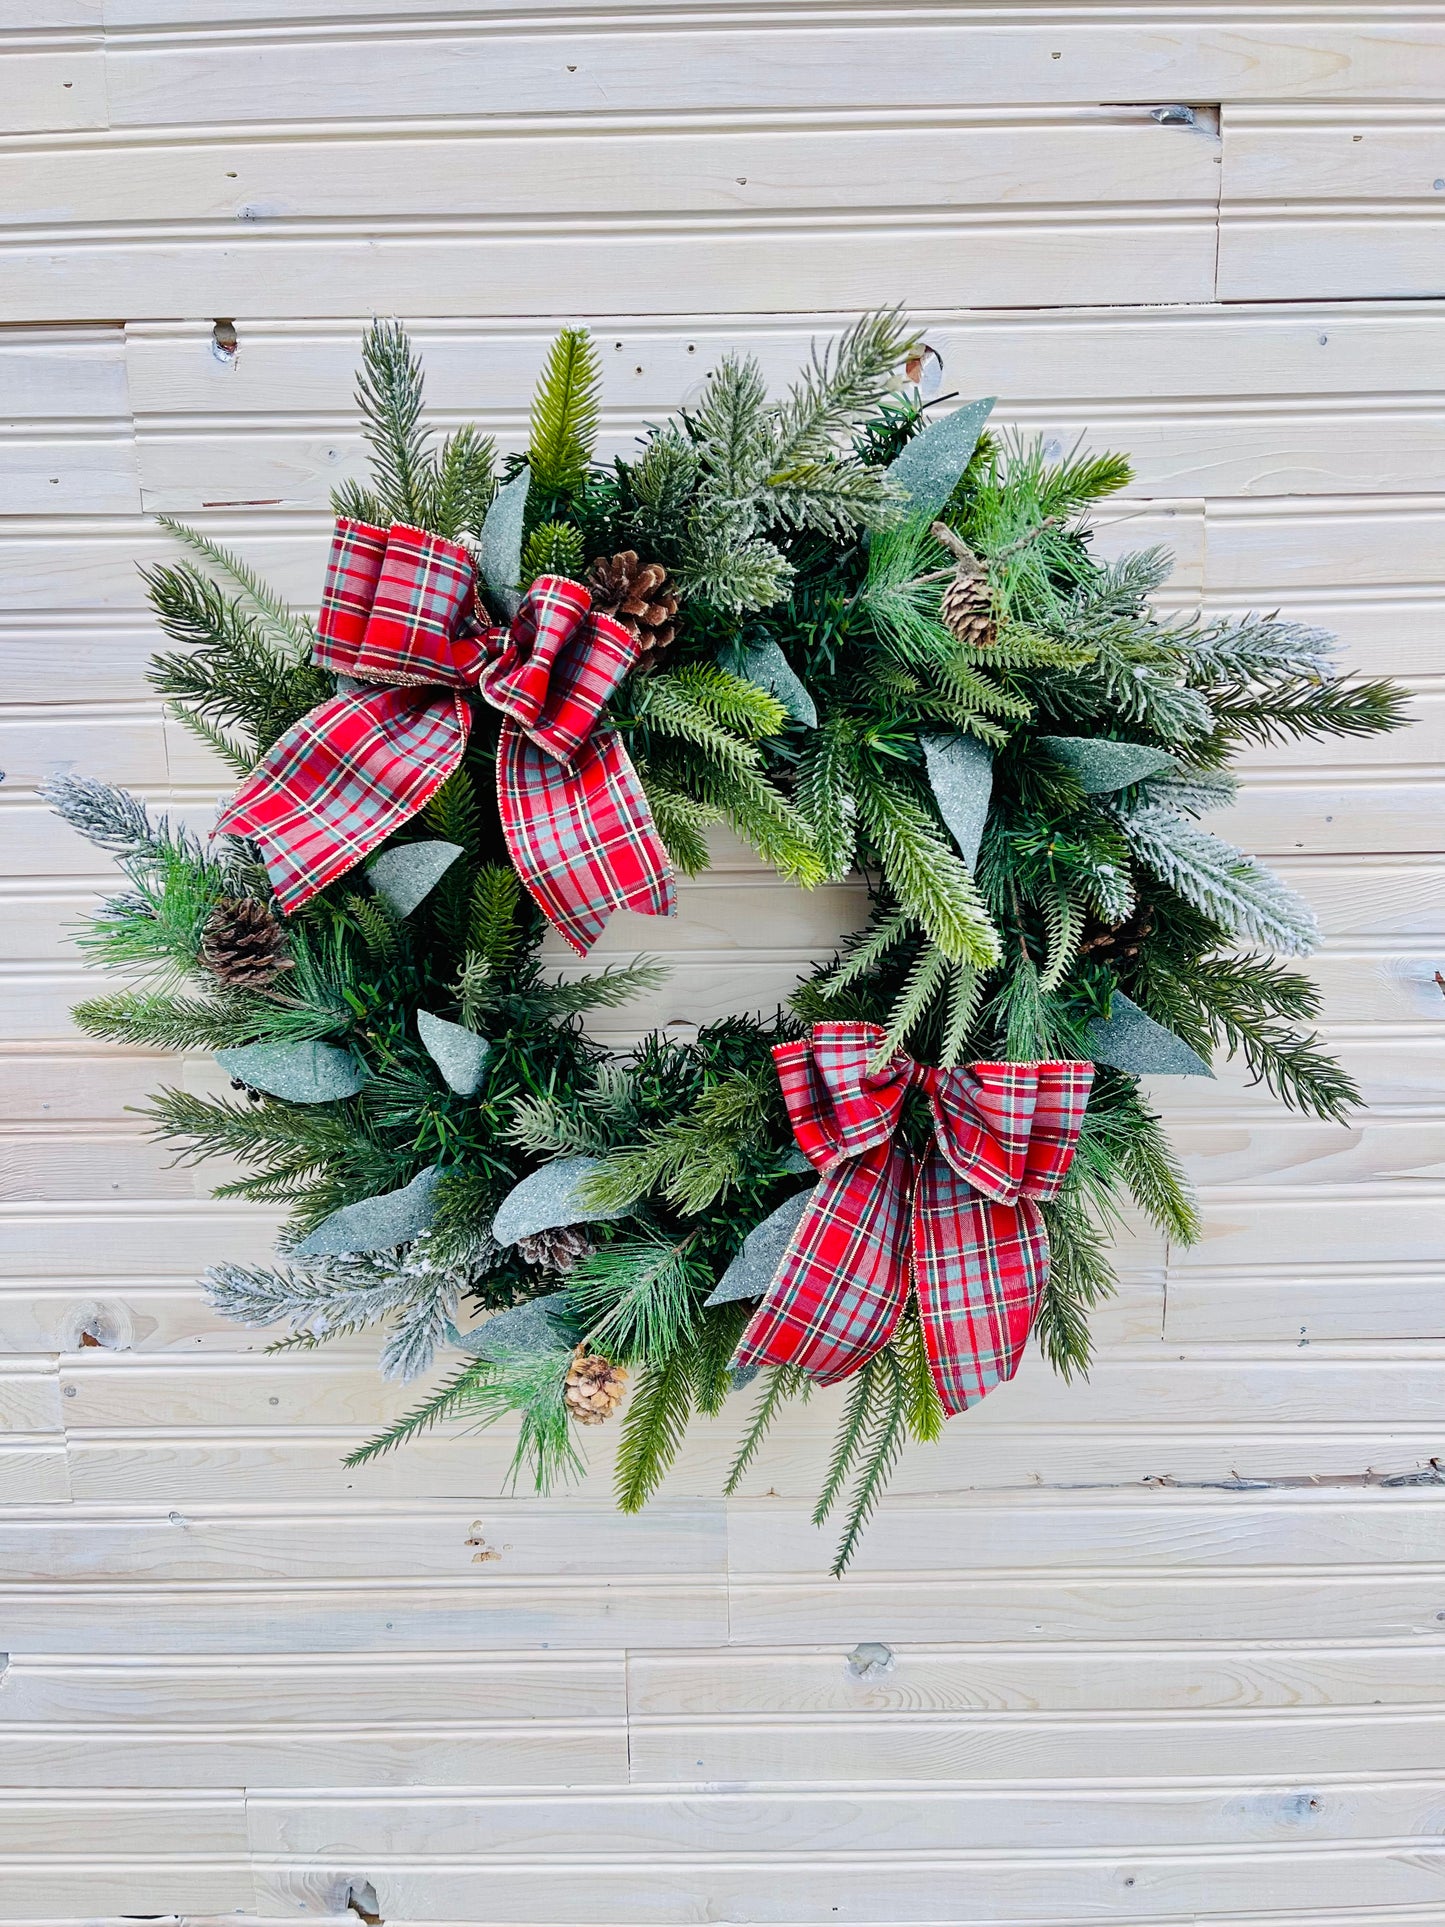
[
  {"x": 403, "y": 876},
  {"x": 549, "y": 1198},
  {"x": 756, "y": 1265},
  {"x": 306, "y": 1073},
  {"x": 458, "y": 1053},
  {"x": 499, "y": 551},
  {"x": 960, "y": 774},
  {"x": 1130, "y": 1040},
  {"x": 541, "y": 1325},
  {"x": 376, "y": 1224},
  {"x": 765, "y": 664},
  {"x": 1101, "y": 764},
  {"x": 929, "y": 467}
]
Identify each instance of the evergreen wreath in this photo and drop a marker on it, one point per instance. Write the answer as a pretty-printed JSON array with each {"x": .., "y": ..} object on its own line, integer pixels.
[{"x": 868, "y": 641}]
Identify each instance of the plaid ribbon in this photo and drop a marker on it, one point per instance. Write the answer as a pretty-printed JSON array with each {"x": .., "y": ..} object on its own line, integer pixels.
[
  {"x": 397, "y": 610},
  {"x": 960, "y": 1224}
]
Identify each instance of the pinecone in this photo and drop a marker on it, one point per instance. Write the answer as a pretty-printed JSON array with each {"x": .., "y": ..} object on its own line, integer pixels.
[
  {"x": 1120, "y": 943},
  {"x": 560, "y": 1250},
  {"x": 594, "y": 1387},
  {"x": 967, "y": 609},
  {"x": 243, "y": 944},
  {"x": 637, "y": 595}
]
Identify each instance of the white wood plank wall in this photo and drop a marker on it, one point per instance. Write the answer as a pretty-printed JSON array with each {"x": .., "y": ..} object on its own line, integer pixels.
[{"x": 1170, "y": 1645}]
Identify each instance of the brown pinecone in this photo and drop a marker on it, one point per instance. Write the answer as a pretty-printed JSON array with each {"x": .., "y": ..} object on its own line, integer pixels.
[
  {"x": 967, "y": 609},
  {"x": 594, "y": 1387},
  {"x": 557, "y": 1250},
  {"x": 243, "y": 944},
  {"x": 1120, "y": 943},
  {"x": 637, "y": 595}
]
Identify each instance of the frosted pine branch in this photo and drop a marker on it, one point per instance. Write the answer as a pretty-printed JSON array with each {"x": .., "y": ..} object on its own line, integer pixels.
[
  {"x": 1221, "y": 881},
  {"x": 110, "y": 818},
  {"x": 333, "y": 1296}
]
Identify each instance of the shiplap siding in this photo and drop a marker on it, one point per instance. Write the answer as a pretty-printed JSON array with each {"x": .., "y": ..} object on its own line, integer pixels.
[{"x": 1170, "y": 1644}]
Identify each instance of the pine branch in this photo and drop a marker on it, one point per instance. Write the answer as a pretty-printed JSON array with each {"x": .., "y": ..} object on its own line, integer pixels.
[
  {"x": 607, "y": 989},
  {"x": 389, "y": 395},
  {"x": 566, "y": 413},
  {"x": 965, "y": 993},
  {"x": 158, "y": 1022},
  {"x": 780, "y": 1383},
  {"x": 445, "y": 1402},
  {"x": 1309, "y": 706},
  {"x": 553, "y": 548},
  {"x": 653, "y": 1430},
  {"x": 465, "y": 483},
  {"x": 638, "y": 1299},
  {"x": 825, "y": 794},
  {"x": 110, "y": 818},
  {"x": 1079, "y": 1278},
  {"x": 929, "y": 972},
  {"x": 929, "y": 879},
  {"x": 1219, "y": 880},
  {"x": 291, "y": 635}
]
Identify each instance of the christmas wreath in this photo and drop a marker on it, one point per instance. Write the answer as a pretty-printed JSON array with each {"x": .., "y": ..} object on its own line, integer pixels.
[{"x": 871, "y": 638}]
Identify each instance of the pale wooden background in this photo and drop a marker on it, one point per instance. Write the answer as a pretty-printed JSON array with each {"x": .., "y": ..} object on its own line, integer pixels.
[{"x": 1168, "y": 1648}]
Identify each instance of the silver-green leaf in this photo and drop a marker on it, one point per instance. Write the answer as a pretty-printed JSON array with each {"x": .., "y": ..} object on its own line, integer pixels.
[
  {"x": 765, "y": 664},
  {"x": 541, "y": 1325},
  {"x": 551, "y": 1197},
  {"x": 929, "y": 467},
  {"x": 1102, "y": 764},
  {"x": 376, "y": 1224},
  {"x": 308, "y": 1073},
  {"x": 960, "y": 774},
  {"x": 499, "y": 550},
  {"x": 756, "y": 1265},
  {"x": 1130, "y": 1040},
  {"x": 458, "y": 1053},
  {"x": 404, "y": 875}
]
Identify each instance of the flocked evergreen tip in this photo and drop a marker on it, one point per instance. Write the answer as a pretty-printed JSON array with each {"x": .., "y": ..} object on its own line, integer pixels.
[{"x": 104, "y": 814}]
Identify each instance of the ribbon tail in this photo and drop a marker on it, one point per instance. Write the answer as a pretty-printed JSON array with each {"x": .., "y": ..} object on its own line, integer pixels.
[
  {"x": 838, "y": 1295},
  {"x": 580, "y": 834},
  {"x": 340, "y": 781},
  {"x": 980, "y": 1269}
]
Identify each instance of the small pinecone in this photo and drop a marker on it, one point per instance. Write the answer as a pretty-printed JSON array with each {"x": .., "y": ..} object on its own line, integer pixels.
[
  {"x": 967, "y": 609},
  {"x": 594, "y": 1387},
  {"x": 1120, "y": 943},
  {"x": 559, "y": 1250},
  {"x": 637, "y": 595},
  {"x": 243, "y": 944}
]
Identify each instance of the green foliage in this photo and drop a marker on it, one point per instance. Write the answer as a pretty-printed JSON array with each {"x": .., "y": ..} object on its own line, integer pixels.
[
  {"x": 638, "y": 1299},
  {"x": 927, "y": 876},
  {"x": 449, "y": 1399},
  {"x": 566, "y": 413},
  {"x": 389, "y": 396},
  {"x": 654, "y": 1427},
  {"x": 553, "y": 548}
]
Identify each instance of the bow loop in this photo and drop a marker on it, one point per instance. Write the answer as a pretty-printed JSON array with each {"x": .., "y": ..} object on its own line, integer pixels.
[
  {"x": 398, "y": 609},
  {"x": 395, "y": 608},
  {"x": 958, "y": 1224},
  {"x": 838, "y": 1107},
  {"x": 558, "y": 665}
]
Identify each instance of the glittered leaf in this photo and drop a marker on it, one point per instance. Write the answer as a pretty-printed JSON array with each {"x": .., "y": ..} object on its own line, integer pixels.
[
  {"x": 499, "y": 551},
  {"x": 302, "y": 1073},
  {"x": 765, "y": 664},
  {"x": 929, "y": 467},
  {"x": 1101, "y": 764},
  {"x": 960, "y": 773},
  {"x": 376, "y": 1224},
  {"x": 541, "y": 1325},
  {"x": 753, "y": 1269},
  {"x": 549, "y": 1198},
  {"x": 1128, "y": 1040},
  {"x": 458, "y": 1053},
  {"x": 403, "y": 876}
]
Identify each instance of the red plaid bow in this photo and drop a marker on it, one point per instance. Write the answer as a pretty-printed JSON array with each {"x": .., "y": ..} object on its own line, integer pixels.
[
  {"x": 397, "y": 609},
  {"x": 961, "y": 1223}
]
